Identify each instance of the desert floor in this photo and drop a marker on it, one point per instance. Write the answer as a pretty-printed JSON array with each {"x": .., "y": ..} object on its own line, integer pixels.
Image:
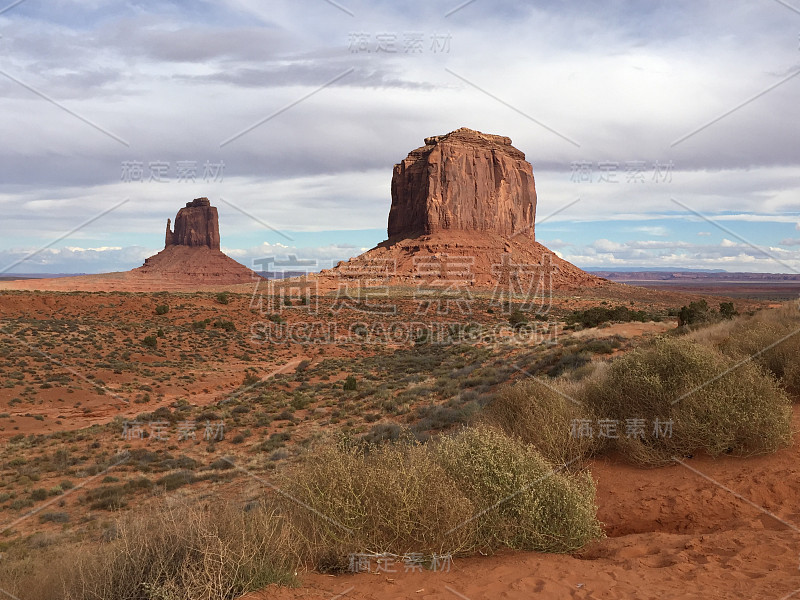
[
  {"x": 706, "y": 528},
  {"x": 74, "y": 368}
]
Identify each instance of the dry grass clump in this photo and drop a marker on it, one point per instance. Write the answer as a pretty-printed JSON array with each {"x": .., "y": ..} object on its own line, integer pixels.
[
  {"x": 522, "y": 500},
  {"x": 543, "y": 414},
  {"x": 712, "y": 405},
  {"x": 772, "y": 338},
  {"x": 478, "y": 489},
  {"x": 179, "y": 552},
  {"x": 393, "y": 498}
]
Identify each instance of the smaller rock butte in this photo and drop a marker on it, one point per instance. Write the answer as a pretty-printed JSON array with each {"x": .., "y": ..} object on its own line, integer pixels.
[
  {"x": 197, "y": 224},
  {"x": 191, "y": 260},
  {"x": 191, "y": 253}
]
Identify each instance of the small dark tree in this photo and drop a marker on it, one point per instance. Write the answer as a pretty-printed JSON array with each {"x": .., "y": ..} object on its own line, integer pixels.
[
  {"x": 727, "y": 310},
  {"x": 150, "y": 341},
  {"x": 696, "y": 312},
  {"x": 517, "y": 319},
  {"x": 162, "y": 309},
  {"x": 250, "y": 378},
  {"x": 350, "y": 384}
]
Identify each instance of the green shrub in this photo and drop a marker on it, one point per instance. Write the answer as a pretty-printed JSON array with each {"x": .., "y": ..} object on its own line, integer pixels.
[
  {"x": 113, "y": 497},
  {"x": 275, "y": 441},
  {"x": 173, "y": 481},
  {"x": 476, "y": 490},
  {"x": 223, "y": 297},
  {"x": 350, "y": 384},
  {"x": 150, "y": 341},
  {"x": 696, "y": 313},
  {"x": 251, "y": 378},
  {"x": 543, "y": 414},
  {"x": 597, "y": 315},
  {"x": 569, "y": 361},
  {"x": 727, "y": 310},
  {"x": 226, "y": 325},
  {"x": 713, "y": 404},
  {"x": 39, "y": 494},
  {"x": 603, "y": 346},
  {"x": 521, "y": 499},
  {"x": 54, "y": 517},
  {"x": 162, "y": 309},
  {"x": 517, "y": 319}
]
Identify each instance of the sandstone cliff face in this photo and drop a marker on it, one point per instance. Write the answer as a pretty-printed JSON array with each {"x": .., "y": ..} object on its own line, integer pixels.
[
  {"x": 191, "y": 254},
  {"x": 196, "y": 225},
  {"x": 463, "y": 181}
]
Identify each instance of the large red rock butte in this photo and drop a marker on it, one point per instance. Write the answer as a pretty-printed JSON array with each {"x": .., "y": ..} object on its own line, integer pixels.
[
  {"x": 463, "y": 181},
  {"x": 463, "y": 206}
]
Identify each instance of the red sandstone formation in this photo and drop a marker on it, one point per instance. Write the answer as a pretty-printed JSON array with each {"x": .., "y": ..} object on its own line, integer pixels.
[
  {"x": 463, "y": 211},
  {"x": 197, "y": 224},
  {"x": 463, "y": 181},
  {"x": 191, "y": 253}
]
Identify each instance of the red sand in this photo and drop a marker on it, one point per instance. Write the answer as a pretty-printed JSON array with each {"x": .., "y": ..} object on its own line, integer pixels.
[{"x": 672, "y": 533}]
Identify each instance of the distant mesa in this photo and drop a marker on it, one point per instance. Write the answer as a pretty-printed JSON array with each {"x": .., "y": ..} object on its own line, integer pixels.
[
  {"x": 191, "y": 253},
  {"x": 191, "y": 260},
  {"x": 463, "y": 205}
]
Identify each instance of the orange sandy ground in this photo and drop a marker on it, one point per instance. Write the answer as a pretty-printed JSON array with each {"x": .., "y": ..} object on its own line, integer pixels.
[{"x": 672, "y": 533}]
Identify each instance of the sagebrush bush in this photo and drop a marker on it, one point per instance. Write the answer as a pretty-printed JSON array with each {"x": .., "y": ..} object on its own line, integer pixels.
[
  {"x": 393, "y": 498},
  {"x": 713, "y": 404},
  {"x": 476, "y": 490},
  {"x": 772, "y": 338},
  {"x": 522, "y": 500},
  {"x": 542, "y": 414}
]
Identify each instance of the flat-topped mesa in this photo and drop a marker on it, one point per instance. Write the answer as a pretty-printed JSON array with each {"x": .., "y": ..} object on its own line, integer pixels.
[
  {"x": 197, "y": 224},
  {"x": 463, "y": 181}
]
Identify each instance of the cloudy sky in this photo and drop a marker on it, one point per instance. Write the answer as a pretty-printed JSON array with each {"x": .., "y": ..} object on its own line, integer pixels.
[{"x": 662, "y": 134}]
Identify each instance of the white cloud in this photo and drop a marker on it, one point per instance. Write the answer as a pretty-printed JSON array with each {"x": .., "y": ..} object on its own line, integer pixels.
[
  {"x": 650, "y": 230},
  {"x": 727, "y": 255},
  {"x": 604, "y": 245},
  {"x": 72, "y": 259},
  {"x": 101, "y": 249}
]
